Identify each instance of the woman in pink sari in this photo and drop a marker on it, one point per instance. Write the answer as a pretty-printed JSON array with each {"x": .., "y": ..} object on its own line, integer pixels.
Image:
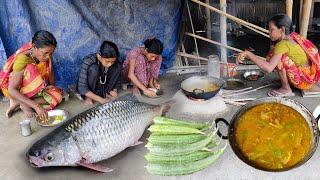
[
  {"x": 295, "y": 58},
  {"x": 142, "y": 66},
  {"x": 27, "y": 78}
]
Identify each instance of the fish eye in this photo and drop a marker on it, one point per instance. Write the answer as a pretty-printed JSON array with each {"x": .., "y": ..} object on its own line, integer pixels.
[{"x": 49, "y": 157}]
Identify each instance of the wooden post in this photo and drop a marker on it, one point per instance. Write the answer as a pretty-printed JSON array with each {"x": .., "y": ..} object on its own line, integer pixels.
[
  {"x": 305, "y": 17},
  {"x": 300, "y": 11},
  {"x": 192, "y": 28},
  {"x": 289, "y": 4},
  {"x": 208, "y": 16},
  {"x": 223, "y": 30}
]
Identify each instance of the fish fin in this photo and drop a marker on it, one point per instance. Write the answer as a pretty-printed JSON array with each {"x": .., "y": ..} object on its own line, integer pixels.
[
  {"x": 128, "y": 97},
  {"x": 166, "y": 107},
  {"x": 137, "y": 143},
  {"x": 96, "y": 167}
]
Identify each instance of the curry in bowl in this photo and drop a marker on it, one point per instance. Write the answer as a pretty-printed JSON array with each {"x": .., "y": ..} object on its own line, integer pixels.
[{"x": 273, "y": 136}]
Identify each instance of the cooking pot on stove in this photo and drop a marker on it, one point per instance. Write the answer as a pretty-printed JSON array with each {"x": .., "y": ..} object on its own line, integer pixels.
[
  {"x": 308, "y": 117},
  {"x": 201, "y": 87}
]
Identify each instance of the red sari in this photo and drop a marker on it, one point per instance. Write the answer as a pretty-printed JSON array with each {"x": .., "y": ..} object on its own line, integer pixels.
[
  {"x": 33, "y": 81},
  {"x": 302, "y": 77}
]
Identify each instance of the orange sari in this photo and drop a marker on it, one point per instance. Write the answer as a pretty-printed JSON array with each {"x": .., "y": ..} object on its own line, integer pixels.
[
  {"x": 302, "y": 77},
  {"x": 33, "y": 81}
]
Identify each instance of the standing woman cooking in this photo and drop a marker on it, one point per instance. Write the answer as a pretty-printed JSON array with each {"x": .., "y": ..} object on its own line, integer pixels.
[
  {"x": 295, "y": 58},
  {"x": 142, "y": 65}
]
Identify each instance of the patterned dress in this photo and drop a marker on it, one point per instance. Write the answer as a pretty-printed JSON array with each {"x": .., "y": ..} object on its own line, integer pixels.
[{"x": 144, "y": 69}]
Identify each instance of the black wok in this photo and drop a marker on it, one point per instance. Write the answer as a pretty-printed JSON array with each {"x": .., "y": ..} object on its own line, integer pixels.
[{"x": 200, "y": 87}]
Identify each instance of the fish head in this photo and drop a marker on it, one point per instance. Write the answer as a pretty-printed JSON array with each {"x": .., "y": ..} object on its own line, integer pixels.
[
  {"x": 56, "y": 149},
  {"x": 43, "y": 155}
]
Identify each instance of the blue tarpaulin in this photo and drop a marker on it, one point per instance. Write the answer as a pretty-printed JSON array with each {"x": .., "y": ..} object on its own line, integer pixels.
[
  {"x": 3, "y": 56},
  {"x": 80, "y": 27}
]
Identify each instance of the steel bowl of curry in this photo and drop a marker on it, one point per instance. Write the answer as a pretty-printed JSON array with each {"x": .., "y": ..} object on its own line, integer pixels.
[
  {"x": 273, "y": 134},
  {"x": 253, "y": 75}
]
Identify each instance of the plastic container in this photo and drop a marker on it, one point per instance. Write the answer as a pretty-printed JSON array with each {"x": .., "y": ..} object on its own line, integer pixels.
[
  {"x": 214, "y": 66},
  {"x": 228, "y": 70},
  {"x": 25, "y": 127}
]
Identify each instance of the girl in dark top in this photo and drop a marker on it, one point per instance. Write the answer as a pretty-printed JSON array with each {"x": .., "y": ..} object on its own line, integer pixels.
[{"x": 100, "y": 75}]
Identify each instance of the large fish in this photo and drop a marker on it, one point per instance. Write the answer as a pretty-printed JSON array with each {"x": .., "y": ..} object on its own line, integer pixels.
[{"x": 94, "y": 135}]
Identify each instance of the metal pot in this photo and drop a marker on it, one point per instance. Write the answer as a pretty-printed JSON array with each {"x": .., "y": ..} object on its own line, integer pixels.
[
  {"x": 197, "y": 87},
  {"x": 311, "y": 121},
  {"x": 253, "y": 75}
]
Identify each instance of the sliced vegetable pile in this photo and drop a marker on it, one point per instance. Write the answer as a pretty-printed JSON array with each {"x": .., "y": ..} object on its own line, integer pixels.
[{"x": 179, "y": 147}]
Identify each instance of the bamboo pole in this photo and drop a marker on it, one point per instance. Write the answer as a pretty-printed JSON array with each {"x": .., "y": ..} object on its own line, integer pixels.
[
  {"x": 195, "y": 57},
  {"x": 191, "y": 56},
  {"x": 240, "y": 100},
  {"x": 217, "y": 43},
  {"x": 185, "y": 67},
  {"x": 257, "y": 31},
  {"x": 214, "y": 42},
  {"x": 236, "y": 91},
  {"x": 230, "y": 16},
  {"x": 223, "y": 30},
  {"x": 191, "y": 22},
  {"x": 184, "y": 51},
  {"x": 305, "y": 17},
  {"x": 208, "y": 18},
  {"x": 300, "y": 10},
  {"x": 289, "y": 4},
  {"x": 233, "y": 102},
  {"x": 246, "y": 92}
]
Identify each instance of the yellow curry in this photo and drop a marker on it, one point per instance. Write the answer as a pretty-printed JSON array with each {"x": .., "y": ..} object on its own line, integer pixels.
[
  {"x": 211, "y": 87},
  {"x": 273, "y": 136}
]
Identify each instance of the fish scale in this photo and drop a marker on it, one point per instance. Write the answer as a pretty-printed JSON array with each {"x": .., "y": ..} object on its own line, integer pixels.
[
  {"x": 96, "y": 134},
  {"x": 112, "y": 132}
]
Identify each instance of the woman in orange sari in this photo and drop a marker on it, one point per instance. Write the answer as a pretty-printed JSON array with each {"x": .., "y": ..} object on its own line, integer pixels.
[
  {"x": 27, "y": 78},
  {"x": 295, "y": 58}
]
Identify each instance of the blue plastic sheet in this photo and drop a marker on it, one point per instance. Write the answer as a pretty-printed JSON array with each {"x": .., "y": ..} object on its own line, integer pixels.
[
  {"x": 3, "y": 55},
  {"x": 80, "y": 27}
]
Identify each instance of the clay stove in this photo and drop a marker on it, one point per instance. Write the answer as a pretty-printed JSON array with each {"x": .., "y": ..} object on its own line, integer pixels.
[{"x": 191, "y": 108}]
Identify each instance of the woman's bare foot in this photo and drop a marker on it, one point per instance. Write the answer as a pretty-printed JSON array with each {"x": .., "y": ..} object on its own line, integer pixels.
[
  {"x": 88, "y": 101},
  {"x": 281, "y": 92},
  {"x": 28, "y": 111},
  {"x": 13, "y": 107}
]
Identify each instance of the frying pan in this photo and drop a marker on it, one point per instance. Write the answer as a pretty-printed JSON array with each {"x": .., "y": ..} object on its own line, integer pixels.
[{"x": 199, "y": 87}]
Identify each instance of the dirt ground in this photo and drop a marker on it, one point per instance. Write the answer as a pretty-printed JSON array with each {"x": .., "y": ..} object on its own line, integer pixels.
[{"x": 130, "y": 163}]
